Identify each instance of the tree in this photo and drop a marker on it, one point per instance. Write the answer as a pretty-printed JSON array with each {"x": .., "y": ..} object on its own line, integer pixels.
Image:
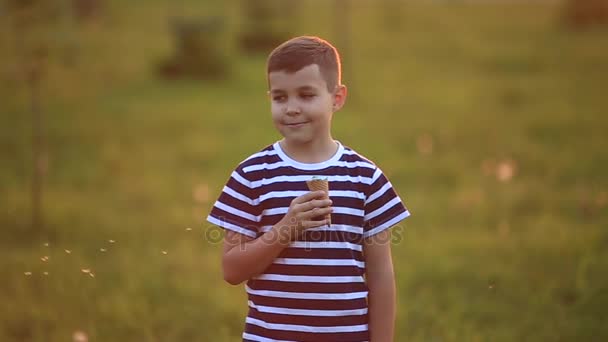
[
  {"x": 582, "y": 14},
  {"x": 30, "y": 21}
]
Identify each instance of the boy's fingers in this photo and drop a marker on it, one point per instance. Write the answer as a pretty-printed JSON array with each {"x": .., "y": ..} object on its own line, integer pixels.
[
  {"x": 313, "y": 224},
  {"x": 316, "y": 212},
  {"x": 310, "y": 205},
  {"x": 310, "y": 196}
]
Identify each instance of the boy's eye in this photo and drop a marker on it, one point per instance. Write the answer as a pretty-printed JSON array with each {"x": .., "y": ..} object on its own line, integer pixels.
[
  {"x": 307, "y": 96},
  {"x": 278, "y": 98}
]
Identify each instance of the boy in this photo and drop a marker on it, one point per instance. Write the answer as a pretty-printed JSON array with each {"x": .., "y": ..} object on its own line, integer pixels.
[{"x": 310, "y": 278}]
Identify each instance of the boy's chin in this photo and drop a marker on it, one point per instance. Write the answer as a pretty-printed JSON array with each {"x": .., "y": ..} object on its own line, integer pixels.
[{"x": 296, "y": 140}]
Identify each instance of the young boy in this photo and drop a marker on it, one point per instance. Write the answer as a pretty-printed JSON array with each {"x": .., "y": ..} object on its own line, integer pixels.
[{"x": 310, "y": 278}]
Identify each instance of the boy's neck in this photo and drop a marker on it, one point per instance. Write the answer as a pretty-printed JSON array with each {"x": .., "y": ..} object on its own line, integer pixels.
[{"x": 312, "y": 152}]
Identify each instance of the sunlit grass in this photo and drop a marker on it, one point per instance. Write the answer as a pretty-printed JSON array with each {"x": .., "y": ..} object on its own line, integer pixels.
[{"x": 489, "y": 121}]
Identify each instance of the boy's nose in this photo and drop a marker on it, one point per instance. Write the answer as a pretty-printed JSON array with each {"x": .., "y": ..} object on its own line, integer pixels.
[{"x": 292, "y": 110}]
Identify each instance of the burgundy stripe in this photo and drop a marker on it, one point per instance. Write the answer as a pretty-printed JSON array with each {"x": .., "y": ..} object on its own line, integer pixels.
[
  {"x": 233, "y": 219},
  {"x": 270, "y": 159},
  {"x": 391, "y": 213},
  {"x": 301, "y": 186},
  {"x": 354, "y": 158},
  {"x": 322, "y": 253},
  {"x": 380, "y": 201},
  {"x": 308, "y": 270},
  {"x": 338, "y": 201},
  {"x": 310, "y": 304},
  {"x": 307, "y": 337},
  {"x": 240, "y": 188},
  {"x": 290, "y": 171},
  {"x": 317, "y": 321},
  {"x": 329, "y": 236}
]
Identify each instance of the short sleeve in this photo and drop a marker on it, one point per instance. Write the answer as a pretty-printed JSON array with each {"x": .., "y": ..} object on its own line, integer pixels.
[
  {"x": 383, "y": 207},
  {"x": 236, "y": 208}
]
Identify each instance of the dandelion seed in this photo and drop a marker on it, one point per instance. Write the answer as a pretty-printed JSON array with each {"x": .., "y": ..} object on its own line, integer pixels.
[
  {"x": 68, "y": 251},
  {"x": 45, "y": 258},
  {"x": 102, "y": 250},
  {"x": 46, "y": 244},
  {"x": 505, "y": 170},
  {"x": 188, "y": 229},
  {"x": 45, "y": 273},
  {"x": 164, "y": 252},
  {"x": 27, "y": 273},
  {"x": 86, "y": 270},
  {"x": 79, "y": 336},
  {"x": 92, "y": 275},
  {"x": 111, "y": 241}
]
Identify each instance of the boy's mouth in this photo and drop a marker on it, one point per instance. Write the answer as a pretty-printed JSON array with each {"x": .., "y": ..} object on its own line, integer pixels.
[{"x": 296, "y": 124}]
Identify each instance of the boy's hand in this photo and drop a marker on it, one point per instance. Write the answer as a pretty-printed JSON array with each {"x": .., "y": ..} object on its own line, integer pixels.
[{"x": 302, "y": 212}]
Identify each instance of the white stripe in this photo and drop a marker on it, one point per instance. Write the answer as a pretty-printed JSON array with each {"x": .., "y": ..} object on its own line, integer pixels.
[
  {"x": 237, "y": 212},
  {"x": 333, "y": 228},
  {"x": 260, "y": 338},
  {"x": 376, "y": 175},
  {"x": 257, "y": 167},
  {"x": 306, "y": 328},
  {"x": 382, "y": 209},
  {"x": 304, "y": 295},
  {"x": 387, "y": 224},
  {"x": 261, "y": 154},
  {"x": 230, "y": 226},
  {"x": 344, "y": 164},
  {"x": 240, "y": 179},
  {"x": 325, "y": 244},
  {"x": 305, "y": 312},
  {"x": 336, "y": 210},
  {"x": 319, "y": 262},
  {"x": 339, "y": 228},
  {"x": 309, "y": 279},
  {"x": 299, "y": 178},
  {"x": 378, "y": 193},
  {"x": 238, "y": 196},
  {"x": 332, "y": 193}
]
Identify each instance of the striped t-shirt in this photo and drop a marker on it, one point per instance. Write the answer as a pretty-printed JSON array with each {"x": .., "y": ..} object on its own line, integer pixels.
[{"x": 315, "y": 289}]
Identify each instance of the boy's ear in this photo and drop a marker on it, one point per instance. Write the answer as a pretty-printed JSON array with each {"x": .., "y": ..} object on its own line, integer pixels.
[{"x": 339, "y": 97}]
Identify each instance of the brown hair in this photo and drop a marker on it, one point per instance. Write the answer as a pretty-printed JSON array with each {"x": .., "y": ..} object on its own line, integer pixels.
[{"x": 302, "y": 51}]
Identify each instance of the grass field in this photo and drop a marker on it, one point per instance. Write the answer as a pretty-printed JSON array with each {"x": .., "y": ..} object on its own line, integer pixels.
[{"x": 490, "y": 120}]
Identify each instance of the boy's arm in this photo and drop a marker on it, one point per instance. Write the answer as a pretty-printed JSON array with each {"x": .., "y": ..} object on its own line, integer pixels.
[
  {"x": 244, "y": 257},
  {"x": 380, "y": 279}
]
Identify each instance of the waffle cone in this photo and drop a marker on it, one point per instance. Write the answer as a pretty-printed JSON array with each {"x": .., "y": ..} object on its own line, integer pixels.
[{"x": 320, "y": 184}]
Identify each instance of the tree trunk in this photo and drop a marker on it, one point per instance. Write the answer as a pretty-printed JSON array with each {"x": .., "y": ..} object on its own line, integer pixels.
[{"x": 39, "y": 151}]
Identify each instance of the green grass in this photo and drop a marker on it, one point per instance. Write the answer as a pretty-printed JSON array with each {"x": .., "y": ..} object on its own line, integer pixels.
[{"x": 479, "y": 260}]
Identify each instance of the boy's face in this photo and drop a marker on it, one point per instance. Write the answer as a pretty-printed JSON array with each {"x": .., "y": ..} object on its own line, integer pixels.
[{"x": 302, "y": 106}]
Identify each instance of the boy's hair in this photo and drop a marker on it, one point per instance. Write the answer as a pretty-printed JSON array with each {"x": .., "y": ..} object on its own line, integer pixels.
[{"x": 302, "y": 51}]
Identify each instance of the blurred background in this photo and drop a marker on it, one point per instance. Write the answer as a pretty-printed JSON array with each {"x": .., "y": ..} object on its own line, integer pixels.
[{"x": 122, "y": 120}]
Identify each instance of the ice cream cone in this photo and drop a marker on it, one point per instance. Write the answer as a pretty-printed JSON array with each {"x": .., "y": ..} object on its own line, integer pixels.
[{"x": 316, "y": 184}]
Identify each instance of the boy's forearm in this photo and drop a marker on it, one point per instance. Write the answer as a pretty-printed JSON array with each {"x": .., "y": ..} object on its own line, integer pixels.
[
  {"x": 249, "y": 259},
  {"x": 382, "y": 307}
]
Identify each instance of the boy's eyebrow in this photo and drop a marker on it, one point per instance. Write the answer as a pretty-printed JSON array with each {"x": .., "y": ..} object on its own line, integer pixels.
[{"x": 306, "y": 87}]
